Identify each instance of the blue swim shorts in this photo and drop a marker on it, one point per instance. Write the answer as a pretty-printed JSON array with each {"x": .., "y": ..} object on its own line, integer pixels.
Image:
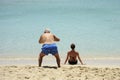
[{"x": 49, "y": 49}]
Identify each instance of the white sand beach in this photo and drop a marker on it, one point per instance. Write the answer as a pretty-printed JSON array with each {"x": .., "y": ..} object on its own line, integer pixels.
[{"x": 66, "y": 72}]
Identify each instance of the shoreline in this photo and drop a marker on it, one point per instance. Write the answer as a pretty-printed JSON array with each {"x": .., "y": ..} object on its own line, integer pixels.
[{"x": 51, "y": 61}]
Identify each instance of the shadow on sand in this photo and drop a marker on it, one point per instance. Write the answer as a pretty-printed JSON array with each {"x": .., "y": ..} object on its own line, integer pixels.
[{"x": 51, "y": 67}]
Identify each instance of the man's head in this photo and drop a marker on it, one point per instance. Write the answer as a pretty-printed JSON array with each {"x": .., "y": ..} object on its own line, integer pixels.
[
  {"x": 47, "y": 30},
  {"x": 72, "y": 46}
]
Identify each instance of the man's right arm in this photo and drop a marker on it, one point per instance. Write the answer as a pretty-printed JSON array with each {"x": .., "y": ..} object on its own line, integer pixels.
[{"x": 56, "y": 38}]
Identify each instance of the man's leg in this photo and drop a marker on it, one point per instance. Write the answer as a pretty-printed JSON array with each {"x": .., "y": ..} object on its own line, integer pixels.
[
  {"x": 57, "y": 59},
  {"x": 40, "y": 59}
]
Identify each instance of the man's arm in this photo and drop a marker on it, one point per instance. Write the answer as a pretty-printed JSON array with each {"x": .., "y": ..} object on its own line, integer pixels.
[
  {"x": 40, "y": 40},
  {"x": 56, "y": 38}
]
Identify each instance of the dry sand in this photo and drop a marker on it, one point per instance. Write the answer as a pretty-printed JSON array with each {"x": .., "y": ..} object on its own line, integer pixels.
[{"x": 66, "y": 72}]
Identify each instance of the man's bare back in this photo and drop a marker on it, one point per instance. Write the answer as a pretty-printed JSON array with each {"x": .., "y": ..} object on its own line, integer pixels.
[
  {"x": 49, "y": 46},
  {"x": 48, "y": 38}
]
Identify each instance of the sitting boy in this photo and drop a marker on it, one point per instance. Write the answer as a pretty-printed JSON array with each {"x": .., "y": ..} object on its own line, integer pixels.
[{"x": 72, "y": 56}]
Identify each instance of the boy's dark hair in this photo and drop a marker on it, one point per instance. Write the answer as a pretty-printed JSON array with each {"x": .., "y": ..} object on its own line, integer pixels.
[{"x": 72, "y": 46}]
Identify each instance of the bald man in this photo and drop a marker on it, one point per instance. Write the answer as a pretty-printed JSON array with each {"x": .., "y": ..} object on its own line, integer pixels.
[{"x": 47, "y": 39}]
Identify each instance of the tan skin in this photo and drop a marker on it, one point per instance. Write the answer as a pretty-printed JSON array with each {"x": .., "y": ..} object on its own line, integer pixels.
[
  {"x": 48, "y": 38},
  {"x": 72, "y": 56}
]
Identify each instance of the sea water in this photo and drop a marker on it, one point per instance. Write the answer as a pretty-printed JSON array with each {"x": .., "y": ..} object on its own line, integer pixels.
[{"x": 93, "y": 25}]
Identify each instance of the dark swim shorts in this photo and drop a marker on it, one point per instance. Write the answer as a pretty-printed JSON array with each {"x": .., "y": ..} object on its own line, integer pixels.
[
  {"x": 72, "y": 62},
  {"x": 49, "y": 49}
]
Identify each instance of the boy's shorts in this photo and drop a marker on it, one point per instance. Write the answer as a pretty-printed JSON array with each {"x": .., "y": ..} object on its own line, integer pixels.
[{"x": 72, "y": 62}]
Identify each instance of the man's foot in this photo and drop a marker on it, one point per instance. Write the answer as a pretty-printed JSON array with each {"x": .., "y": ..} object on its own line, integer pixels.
[{"x": 59, "y": 66}]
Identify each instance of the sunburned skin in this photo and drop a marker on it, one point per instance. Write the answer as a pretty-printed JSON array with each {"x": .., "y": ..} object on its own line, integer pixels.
[{"x": 48, "y": 38}]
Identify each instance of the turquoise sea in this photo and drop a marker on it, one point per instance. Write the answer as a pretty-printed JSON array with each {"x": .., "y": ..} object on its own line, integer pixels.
[{"x": 93, "y": 25}]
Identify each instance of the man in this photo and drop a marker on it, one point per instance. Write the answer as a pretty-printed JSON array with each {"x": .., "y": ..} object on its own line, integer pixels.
[
  {"x": 49, "y": 47},
  {"x": 72, "y": 56}
]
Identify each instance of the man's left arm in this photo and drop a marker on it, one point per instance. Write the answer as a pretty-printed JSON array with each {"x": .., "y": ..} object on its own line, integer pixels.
[{"x": 40, "y": 40}]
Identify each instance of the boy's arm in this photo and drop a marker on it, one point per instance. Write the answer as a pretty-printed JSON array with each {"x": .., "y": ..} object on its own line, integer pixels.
[
  {"x": 66, "y": 59},
  {"x": 80, "y": 59}
]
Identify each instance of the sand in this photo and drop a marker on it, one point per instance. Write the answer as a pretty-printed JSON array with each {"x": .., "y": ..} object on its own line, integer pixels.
[{"x": 66, "y": 72}]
